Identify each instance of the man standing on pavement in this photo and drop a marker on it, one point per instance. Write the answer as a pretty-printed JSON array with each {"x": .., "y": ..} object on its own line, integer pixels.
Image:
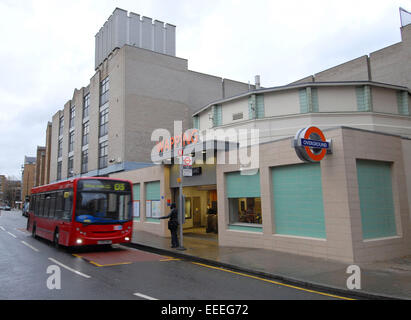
[{"x": 173, "y": 225}]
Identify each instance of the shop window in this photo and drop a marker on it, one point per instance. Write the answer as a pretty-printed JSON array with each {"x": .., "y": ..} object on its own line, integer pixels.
[
  {"x": 243, "y": 193},
  {"x": 245, "y": 210},
  {"x": 153, "y": 207},
  {"x": 136, "y": 201}
]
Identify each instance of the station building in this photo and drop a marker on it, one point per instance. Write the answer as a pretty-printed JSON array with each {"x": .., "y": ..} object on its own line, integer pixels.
[{"x": 352, "y": 206}]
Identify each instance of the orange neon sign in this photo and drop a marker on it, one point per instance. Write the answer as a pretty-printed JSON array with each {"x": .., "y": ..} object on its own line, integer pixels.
[{"x": 178, "y": 141}]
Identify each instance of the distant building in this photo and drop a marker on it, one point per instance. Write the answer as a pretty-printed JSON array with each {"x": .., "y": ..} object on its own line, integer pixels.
[
  {"x": 48, "y": 154},
  {"x": 40, "y": 174},
  {"x": 3, "y": 181},
  {"x": 28, "y": 176}
]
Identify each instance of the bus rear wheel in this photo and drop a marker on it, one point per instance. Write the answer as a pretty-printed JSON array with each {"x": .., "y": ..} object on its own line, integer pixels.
[
  {"x": 33, "y": 231},
  {"x": 56, "y": 239}
]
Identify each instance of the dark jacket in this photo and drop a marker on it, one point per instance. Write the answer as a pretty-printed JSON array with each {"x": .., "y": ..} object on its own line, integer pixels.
[{"x": 173, "y": 222}]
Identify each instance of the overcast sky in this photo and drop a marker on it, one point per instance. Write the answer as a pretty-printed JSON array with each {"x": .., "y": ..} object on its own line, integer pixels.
[{"x": 47, "y": 48}]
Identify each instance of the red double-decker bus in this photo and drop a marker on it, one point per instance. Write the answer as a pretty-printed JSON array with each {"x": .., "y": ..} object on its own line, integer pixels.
[{"x": 82, "y": 211}]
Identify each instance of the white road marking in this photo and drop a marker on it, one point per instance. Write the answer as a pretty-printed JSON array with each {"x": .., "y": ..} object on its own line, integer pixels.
[
  {"x": 2, "y": 228},
  {"x": 11, "y": 234},
  {"x": 30, "y": 246},
  {"x": 144, "y": 296},
  {"x": 70, "y": 269}
]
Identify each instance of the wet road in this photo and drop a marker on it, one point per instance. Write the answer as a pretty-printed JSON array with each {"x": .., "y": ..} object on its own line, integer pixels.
[{"x": 120, "y": 273}]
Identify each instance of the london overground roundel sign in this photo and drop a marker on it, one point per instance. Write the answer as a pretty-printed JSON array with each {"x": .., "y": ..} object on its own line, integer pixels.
[{"x": 310, "y": 144}]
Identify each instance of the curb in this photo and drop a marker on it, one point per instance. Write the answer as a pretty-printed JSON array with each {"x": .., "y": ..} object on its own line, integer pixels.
[{"x": 282, "y": 278}]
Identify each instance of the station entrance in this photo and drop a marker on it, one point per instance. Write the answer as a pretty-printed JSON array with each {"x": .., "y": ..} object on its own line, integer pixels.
[{"x": 200, "y": 211}]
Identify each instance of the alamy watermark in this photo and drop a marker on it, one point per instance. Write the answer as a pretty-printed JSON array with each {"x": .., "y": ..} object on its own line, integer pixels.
[
  {"x": 54, "y": 280},
  {"x": 354, "y": 280}
]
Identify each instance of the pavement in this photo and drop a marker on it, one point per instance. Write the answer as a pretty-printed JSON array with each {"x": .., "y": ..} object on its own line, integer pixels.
[{"x": 380, "y": 280}]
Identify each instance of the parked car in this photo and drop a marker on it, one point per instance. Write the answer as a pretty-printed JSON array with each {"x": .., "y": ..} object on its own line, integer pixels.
[{"x": 5, "y": 208}]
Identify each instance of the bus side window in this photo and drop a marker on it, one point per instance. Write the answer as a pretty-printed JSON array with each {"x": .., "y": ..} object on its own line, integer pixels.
[
  {"x": 42, "y": 204},
  {"x": 68, "y": 201},
  {"x": 59, "y": 205},
  {"x": 37, "y": 205},
  {"x": 52, "y": 210},
  {"x": 31, "y": 205},
  {"x": 46, "y": 205}
]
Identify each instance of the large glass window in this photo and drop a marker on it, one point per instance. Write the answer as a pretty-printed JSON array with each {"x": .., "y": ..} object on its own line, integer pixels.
[
  {"x": 71, "y": 141},
  {"x": 72, "y": 116},
  {"x": 153, "y": 208},
  {"x": 70, "y": 171},
  {"x": 59, "y": 170},
  {"x": 245, "y": 210},
  {"x": 103, "y": 130},
  {"x": 86, "y": 130},
  {"x": 104, "y": 89},
  {"x": 243, "y": 192},
  {"x": 84, "y": 161},
  {"x": 60, "y": 148},
  {"x": 86, "y": 105},
  {"x": 102, "y": 155},
  {"x": 61, "y": 125},
  {"x": 103, "y": 207}
]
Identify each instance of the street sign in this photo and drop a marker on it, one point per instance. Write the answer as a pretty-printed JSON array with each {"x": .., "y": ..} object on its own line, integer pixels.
[
  {"x": 310, "y": 144},
  {"x": 187, "y": 161},
  {"x": 187, "y": 172},
  {"x": 314, "y": 144}
]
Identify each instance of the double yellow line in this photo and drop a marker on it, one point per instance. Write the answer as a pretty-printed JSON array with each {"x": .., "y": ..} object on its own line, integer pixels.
[{"x": 272, "y": 281}]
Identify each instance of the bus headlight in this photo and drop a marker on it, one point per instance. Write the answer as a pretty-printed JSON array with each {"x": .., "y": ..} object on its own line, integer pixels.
[
  {"x": 127, "y": 239},
  {"x": 79, "y": 241}
]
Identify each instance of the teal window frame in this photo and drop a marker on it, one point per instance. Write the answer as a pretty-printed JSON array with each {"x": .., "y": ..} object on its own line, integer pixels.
[
  {"x": 217, "y": 115},
  {"x": 364, "y": 98},
  {"x": 298, "y": 201},
  {"x": 402, "y": 103},
  {"x": 256, "y": 108},
  {"x": 308, "y": 100},
  {"x": 375, "y": 192}
]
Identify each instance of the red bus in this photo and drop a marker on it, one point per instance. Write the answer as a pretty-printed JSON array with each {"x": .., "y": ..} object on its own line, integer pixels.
[{"x": 82, "y": 211}]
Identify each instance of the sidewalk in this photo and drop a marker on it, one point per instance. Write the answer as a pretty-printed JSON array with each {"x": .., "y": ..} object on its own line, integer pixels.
[{"x": 383, "y": 280}]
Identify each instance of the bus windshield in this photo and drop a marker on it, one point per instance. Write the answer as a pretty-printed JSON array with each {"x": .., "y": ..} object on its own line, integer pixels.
[{"x": 103, "y": 207}]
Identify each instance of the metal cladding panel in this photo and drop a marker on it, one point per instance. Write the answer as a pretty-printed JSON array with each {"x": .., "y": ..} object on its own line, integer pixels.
[
  {"x": 147, "y": 36},
  {"x": 134, "y": 29},
  {"x": 170, "y": 40},
  {"x": 97, "y": 51},
  {"x": 159, "y": 36},
  {"x": 123, "y": 28}
]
